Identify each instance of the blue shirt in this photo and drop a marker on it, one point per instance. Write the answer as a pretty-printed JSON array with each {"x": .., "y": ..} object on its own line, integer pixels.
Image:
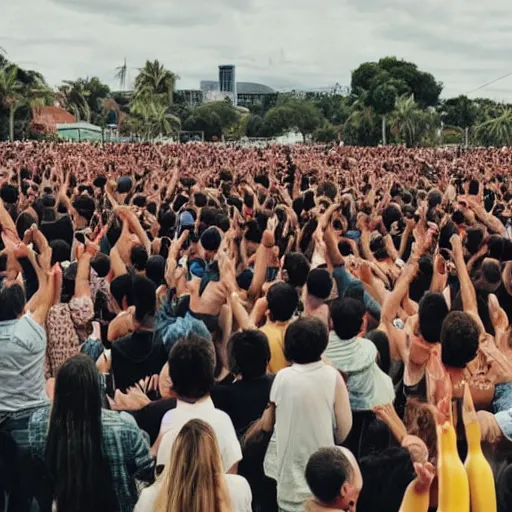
[
  {"x": 22, "y": 352},
  {"x": 345, "y": 281}
]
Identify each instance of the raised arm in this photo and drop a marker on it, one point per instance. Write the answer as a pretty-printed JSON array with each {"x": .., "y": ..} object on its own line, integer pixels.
[{"x": 467, "y": 289}]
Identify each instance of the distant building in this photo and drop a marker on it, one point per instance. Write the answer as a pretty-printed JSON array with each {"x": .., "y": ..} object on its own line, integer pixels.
[
  {"x": 191, "y": 97},
  {"x": 248, "y": 93},
  {"x": 227, "y": 82}
]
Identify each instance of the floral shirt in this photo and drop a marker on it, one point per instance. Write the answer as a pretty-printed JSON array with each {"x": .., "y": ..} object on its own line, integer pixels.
[{"x": 66, "y": 328}]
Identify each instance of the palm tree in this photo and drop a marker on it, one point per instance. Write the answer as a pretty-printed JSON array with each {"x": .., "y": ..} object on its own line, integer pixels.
[
  {"x": 360, "y": 128},
  {"x": 154, "y": 80},
  {"x": 72, "y": 95},
  {"x": 11, "y": 93},
  {"x": 496, "y": 131},
  {"x": 122, "y": 74},
  {"x": 407, "y": 120},
  {"x": 163, "y": 122},
  {"x": 154, "y": 118}
]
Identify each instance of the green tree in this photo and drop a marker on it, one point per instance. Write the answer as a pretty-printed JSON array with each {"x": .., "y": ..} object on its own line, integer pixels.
[
  {"x": 214, "y": 119},
  {"x": 413, "y": 125},
  {"x": 496, "y": 131},
  {"x": 293, "y": 114},
  {"x": 459, "y": 111},
  {"x": 327, "y": 133},
  {"x": 383, "y": 99},
  {"x": 255, "y": 126},
  {"x": 279, "y": 120},
  {"x": 404, "y": 76},
  {"x": 153, "y": 119},
  {"x": 155, "y": 81},
  {"x": 362, "y": 127},
  {"x": 307, "y": 118},
  {"x": 10, "y": 93}
]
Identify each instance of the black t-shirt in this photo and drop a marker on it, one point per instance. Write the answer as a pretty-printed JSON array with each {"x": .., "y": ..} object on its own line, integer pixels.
[
  {"x": 135, "y": 357},
  {"x": 244, "y": 401},
  {"x": 61, "y": 229},
  {"x": 149, "y": 418}
]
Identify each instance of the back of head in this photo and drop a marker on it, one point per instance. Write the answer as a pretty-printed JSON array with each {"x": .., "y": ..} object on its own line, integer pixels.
[
  {"x": 193, "y": 480},
  {"x": 282, "y": 300},
  {"x": 155, "y": 269},
  {"x": 347, "y": 317},
  {"x": 297, "y": 268},
  {"x": 491, "y": 274},
  {"x": 144, "y": 298},
  {"x": 101, "y": 264},
  {"x": 381, "y": 341},
  {"x": 74, "y": 447},
  {"x": 305, "y": 341},
  {"x": 432, "y": 312},
  {"x": 61, "y": 251},
  {"x": 12, "y": 302},
  {"x": 138, "y": 257},
  {"x": 459, "y": 339},
  {"x": 319, "y": 283},
  {"x": 386, "y": 476},
  {"x": 23, "y": 223},
  {"x": 435, "y": 198},
  {"x": 248, "y": 354},
  {"x": 192, "y": 367},
  {"x": 121, "y": 288},
  {"x": 326, "y": 472}
]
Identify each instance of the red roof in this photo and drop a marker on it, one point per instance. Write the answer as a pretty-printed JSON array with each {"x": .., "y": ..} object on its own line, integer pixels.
[{"x": 47, "y": 118}]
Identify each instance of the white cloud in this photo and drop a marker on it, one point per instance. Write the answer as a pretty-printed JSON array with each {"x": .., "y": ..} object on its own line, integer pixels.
[{"x": 283, "y": 43}]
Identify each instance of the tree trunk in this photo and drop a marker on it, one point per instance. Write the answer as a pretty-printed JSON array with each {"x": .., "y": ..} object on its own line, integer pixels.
[
  {"x": 384, "y": 142},
  {"x": 11, "y": 123}
]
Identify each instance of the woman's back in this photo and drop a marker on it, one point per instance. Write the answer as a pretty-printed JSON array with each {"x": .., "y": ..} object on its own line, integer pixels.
[
  {"x": 125, "y": 447},
  {"x": 238, "y": 488}
]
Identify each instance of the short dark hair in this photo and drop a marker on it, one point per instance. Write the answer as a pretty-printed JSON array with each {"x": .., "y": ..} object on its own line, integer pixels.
[
  {"x": 459, "y": 339},
  {"x": 138, "y": 257},
  {"x": 12, "y": 302},
  {"x": 121, "y": 287},
  {"x": 144, "y": 297},
  {"x": 434, "y": 198},
  {"x": 23, "y": 223},
  {"x": 326, "y": 472},
  {"x": 192, "y": 367},
  {"x": 491, "y": 271},
  {"x": 381, "y": 342},
  {"x": 432, "y": 311},
  {"x": 297, "y": 267},
  {"x": 61, "y": 251},
  {"x": 305, "y": 340},
  {"x": 347, "y": 317},
  {"x": 248, "y": 353},
  {"x": 319, "y": 283},
  {"x": 283, "y": 300}
]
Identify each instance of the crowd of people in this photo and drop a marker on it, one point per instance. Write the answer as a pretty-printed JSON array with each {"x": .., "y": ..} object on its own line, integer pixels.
[{"x": 209, "y": 328}]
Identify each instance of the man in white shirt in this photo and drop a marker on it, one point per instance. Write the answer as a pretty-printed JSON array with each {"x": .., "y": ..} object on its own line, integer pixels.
[{"x": 191, "y": 371}]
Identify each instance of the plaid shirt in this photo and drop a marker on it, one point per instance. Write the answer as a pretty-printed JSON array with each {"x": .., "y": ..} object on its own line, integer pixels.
[{"x": 125, "y": 446}]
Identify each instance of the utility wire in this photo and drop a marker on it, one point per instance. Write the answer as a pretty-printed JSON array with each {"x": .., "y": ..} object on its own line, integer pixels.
[{"x": 489, "y": 83}]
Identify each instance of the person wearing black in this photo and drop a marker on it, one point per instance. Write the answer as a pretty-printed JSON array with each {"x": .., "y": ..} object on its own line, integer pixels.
[
  {"x": 137, "y": 355},
  {"x": 245, "y": 400}
]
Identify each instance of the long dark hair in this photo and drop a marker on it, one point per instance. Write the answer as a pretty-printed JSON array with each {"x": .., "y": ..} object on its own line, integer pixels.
[{"x": 74, "y": 453}]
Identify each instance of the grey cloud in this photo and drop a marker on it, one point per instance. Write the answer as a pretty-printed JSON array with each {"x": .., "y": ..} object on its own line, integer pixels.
[
  {"x": 283, "y": 43},
  {"x": 157, "y": 12}
]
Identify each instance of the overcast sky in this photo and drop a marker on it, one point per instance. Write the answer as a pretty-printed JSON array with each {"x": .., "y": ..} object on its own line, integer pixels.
[{"x": 281, "y": 43}]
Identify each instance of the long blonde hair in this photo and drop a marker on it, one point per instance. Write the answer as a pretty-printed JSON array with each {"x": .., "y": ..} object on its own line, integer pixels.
[{"x": 194, "y": 477}]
